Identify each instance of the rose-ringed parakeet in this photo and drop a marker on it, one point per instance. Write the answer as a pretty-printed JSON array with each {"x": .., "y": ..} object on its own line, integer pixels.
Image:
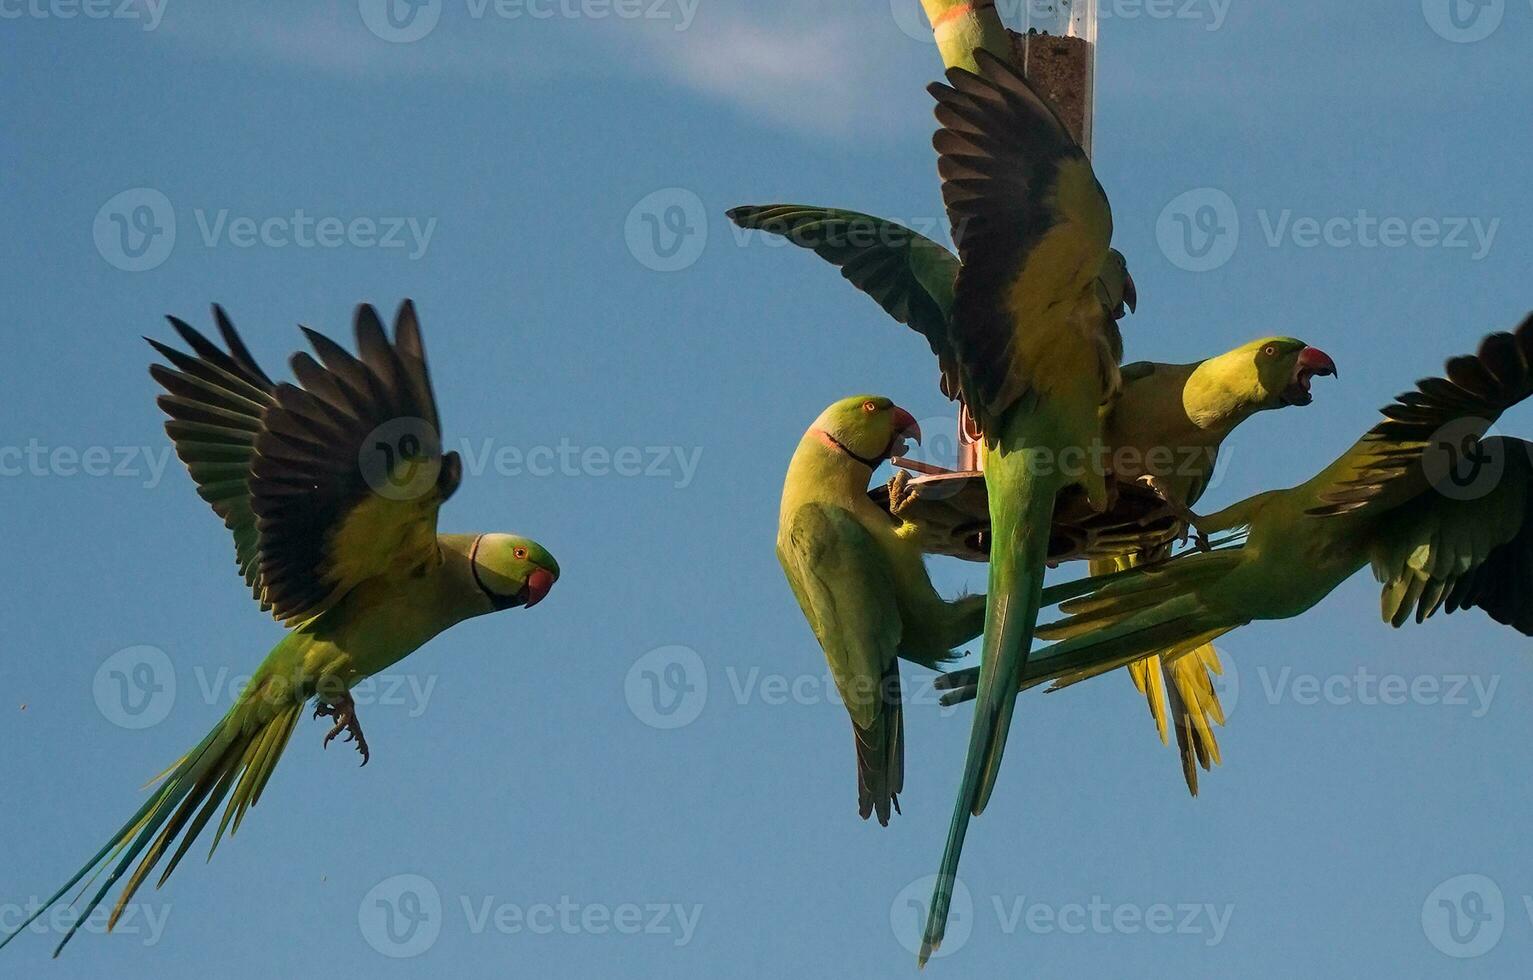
[
  {"x": 861, "y": 582},
  {"x": 1441, "y": 513},
  {"x": 1033, "y": 347},
  {"x": 331, "y": 491},
  {"x": 1167, "y": 426}
]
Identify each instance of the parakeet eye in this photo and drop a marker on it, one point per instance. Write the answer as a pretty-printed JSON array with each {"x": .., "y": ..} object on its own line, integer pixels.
[
  {"x": 520, "y": 554},
  {"x": 1270, "y": 350},
  {"x": 870, "y": 406}
]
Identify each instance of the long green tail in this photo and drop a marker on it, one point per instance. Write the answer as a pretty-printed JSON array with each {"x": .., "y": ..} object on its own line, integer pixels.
[
  {"x": 244, "y": 746},
  {"x": 1021, "y": 515}
]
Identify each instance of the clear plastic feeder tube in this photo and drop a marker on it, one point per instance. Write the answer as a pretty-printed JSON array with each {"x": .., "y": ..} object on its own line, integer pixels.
[{"x": 1057, "y": 50}]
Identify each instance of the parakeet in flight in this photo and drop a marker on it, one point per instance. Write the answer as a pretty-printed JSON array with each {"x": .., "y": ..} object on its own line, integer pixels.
[
  {"x": 861, "y": 581},
  {"x": 331, "y": 489},
  {"x": 1166, "y": 427},
  {"x": 1440, "y": 511}
]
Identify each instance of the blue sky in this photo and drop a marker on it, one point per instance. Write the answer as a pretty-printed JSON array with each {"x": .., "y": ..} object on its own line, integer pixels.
[{"x": 547, "y": 181}]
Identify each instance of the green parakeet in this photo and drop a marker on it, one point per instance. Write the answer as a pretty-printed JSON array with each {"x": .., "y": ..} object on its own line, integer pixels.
[
  {"x": 861, "y": 582},
  {"x": 1167, "y": 425},
  {"x": 331, "y": 491},
  {"x": 1032, "y": 345},
  {"x": 1439, "y": 511}
]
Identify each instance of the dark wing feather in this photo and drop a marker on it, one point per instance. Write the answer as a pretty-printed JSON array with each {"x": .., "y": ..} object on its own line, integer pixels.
[
  {"x": 322, "y": 485},
  {"x": 349, "y": 472},
  {"x": 1389, "y": 466},
  {"x": 1001, "y": 154},
  {"x": 907, "y": 274},
  {"x": 215, "y": 400}
]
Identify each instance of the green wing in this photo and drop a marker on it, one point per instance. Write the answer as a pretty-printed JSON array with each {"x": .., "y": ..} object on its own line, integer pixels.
[
  {"x": 907, "y": 274},
  {"x": 1031, "y": 223},
  {"x": 1388, "y": 466},
  {"x": 845, "y": 589},
  {"x": 1439, "y": 552},
  {"x": 326, "y": 485}
]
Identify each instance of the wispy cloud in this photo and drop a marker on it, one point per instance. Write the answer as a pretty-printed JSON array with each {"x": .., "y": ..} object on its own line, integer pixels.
[{"x": 795, "y": 65}]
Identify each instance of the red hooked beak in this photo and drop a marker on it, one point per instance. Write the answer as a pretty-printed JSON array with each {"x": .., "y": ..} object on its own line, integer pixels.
[
  {"x": 538, "y": 584},
  {"x": 1312, "y": 362},
  {"x": 1317, "y": 363},
  {"x": 905, "y": 424}
]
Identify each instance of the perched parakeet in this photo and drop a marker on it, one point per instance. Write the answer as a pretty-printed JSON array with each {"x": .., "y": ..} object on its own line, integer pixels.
[
  {"x": 1440, "y": 512},
  {"x": 861, "y": 582},
  {"x": 331, "y": 490},
  {"x": 1166, "y": 427},
  {"x": 1033, "y": 345}
]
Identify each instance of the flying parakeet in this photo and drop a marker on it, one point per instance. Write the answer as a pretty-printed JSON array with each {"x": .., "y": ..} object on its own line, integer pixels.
[
  {"x": 331, "y": 491},
  {"x": 1166, "y": 427},
  {"x": 1440, "y": 512},
  {"x": 861, "y": 582}
]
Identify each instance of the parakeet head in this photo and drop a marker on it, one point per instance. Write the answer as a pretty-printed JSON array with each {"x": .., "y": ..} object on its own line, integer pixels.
[
  {"x": 1275, "y": 372},
  {"x": 1117, "y": 286},
  {"x": 512, "y": 571},
  {"x": 869, "y": 428}
]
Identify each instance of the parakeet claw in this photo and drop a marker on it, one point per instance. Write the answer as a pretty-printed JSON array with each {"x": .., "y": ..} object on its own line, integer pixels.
[
  {"x": 1190, "y": 521},
  {"x": 344, "y": 711}
]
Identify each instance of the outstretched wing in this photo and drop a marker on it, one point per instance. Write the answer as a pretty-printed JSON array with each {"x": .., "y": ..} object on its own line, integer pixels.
[
  {"x": 1426, "y": 433},
  {"x": 1476, "y": 549},
  {"x": 1031, "y": 223},
  {"x": 343, "y": 476},
  {"x": 907, "y": 274},
  {"x": 215, "y": 401},
  {"x": 845, "y": 589}
]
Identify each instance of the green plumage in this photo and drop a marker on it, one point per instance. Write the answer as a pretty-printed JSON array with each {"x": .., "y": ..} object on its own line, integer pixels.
[
  {"x": 1440, "y": 513},
  {"x": 343, "y": 550},
  {"x": 861, "y": 583}
]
